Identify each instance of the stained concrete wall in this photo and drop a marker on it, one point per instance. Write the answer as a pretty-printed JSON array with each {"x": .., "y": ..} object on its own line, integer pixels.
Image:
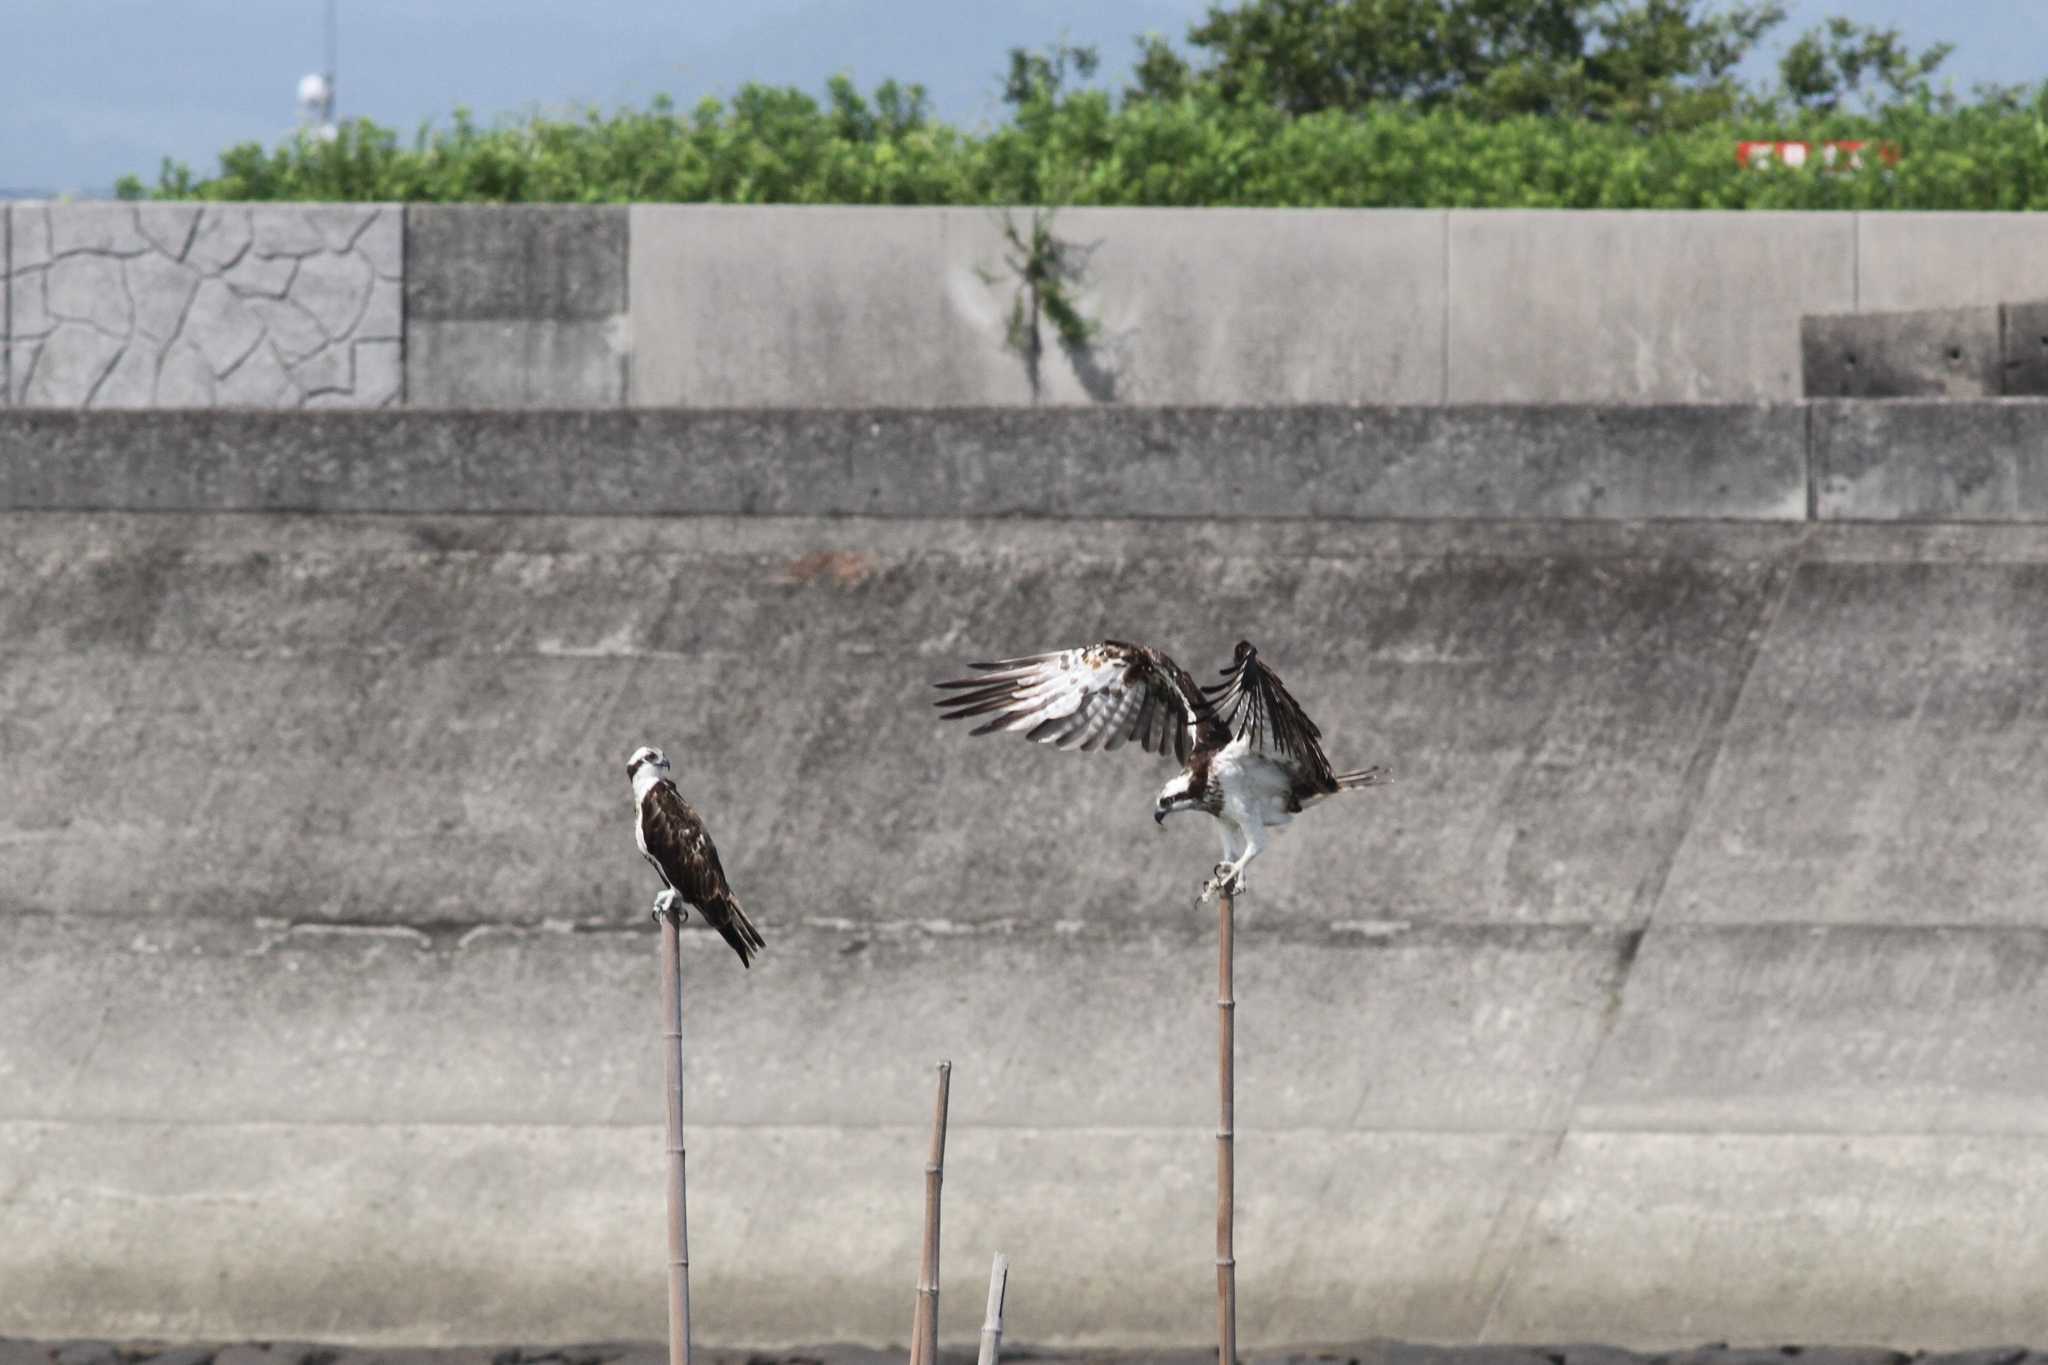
[
  {"x": 1685, "y": 985},
  {"x": 710, "y": 306},
  {"x": 515, "y": 306}
]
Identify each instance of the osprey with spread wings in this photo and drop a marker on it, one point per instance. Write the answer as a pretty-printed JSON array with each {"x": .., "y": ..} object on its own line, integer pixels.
[{"x": 1250, "y": 756}]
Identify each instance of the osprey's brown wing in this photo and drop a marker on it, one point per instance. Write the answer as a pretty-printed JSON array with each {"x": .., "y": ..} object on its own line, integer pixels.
[
  {"x": 681, "y": 850},
  {"x": 1256, "y": 707},
  {"x": 1104, "y": 695}
]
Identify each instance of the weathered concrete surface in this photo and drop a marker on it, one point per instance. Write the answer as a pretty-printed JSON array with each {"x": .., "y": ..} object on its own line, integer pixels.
[
  {"x": 1851, "y": 1238},
  {"x": 519, "y": 306},
  {"x": 1740, "y": 461},
  {"x": 739, "y": 306},
  {"x": 1930, "y": 353},
  {"x": 301, "y": 673},
  {"x": 1685, "y": 984},
  {"x": 1931, "y": 461},
  {"x": 1949, "y": 260},
  {"x": 555, "y": 1232},
  {"x": 2023, "y": 343},
  {"x": 116, "y": 305},
  {"x": 350, "y": 1025},
  {"x": 1637, "y": 307}
]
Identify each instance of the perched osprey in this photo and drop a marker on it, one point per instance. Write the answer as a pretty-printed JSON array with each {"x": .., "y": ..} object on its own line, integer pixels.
[
  {"x": 672, "y": 837},
  {"x": 1250, "y": 757}
]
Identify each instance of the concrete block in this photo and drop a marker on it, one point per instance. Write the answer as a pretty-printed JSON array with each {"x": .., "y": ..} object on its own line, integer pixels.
[
  {"x": 169, "y": 305},
  {"x": 1639, "y": 307},
  {"x": 1887, "y": 752},
  {"x": 461, "y": 1233},
  {"x": 1383, "y": 1028},
  {"x": 202, "y": 647},
  {"x": 1842, "y": 1029},
  {"x": 1656, "y": 1239},
  {"x": 1224, "y": 306},
  {"x": 861, "y": 307},
  {"x": 1736, "y": 462},
  {"x": 1941, "y": 352},
  {"x": 738, "y": 306},
  {"x": 516, "y": 363},
  {"x": 1931, "y": 461},
  {"x": 515, "y": 262},
  {"x": 2023, "y": 338},
  {"x": 1949, "y": 260}
]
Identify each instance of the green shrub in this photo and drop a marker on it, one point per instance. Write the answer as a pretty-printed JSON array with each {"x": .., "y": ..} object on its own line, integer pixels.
[{"x": 778, "y": 145}]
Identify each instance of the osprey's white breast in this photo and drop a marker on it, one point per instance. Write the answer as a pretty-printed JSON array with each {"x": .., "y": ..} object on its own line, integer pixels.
[{"x": 1256, "y": 790}]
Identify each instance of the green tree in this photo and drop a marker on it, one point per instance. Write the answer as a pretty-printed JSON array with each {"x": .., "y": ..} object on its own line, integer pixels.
[
  {"x": 1840, "y": 58},
  {"x": 1653, "y": 64}
]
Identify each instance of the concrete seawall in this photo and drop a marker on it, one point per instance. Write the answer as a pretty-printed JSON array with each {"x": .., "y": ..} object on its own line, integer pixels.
[
  {"x": 716, "y": 306},
  {"x": 1686, "y": 985}
]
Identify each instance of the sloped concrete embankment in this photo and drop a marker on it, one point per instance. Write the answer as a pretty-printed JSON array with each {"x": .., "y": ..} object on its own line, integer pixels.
[{"x": 1686, "y": 985}]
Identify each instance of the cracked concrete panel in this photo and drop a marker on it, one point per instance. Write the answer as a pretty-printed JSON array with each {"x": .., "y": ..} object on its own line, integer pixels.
[
  {"x": 88, "y": 289},
  {"x": 270, "y": 276},
  {"x": 223, "y": 327},
  {"x": 380, "y": 373},
  {"x": 384, "y": 317},
  {"x": 331, "y": 371},
  {"x": 284, "y": 230},
  {"x": 259, "y": 381},
  {"x": 335, "y": 290},
  {"x": 222, "y": 237},
  {"x": 29, "y": 306},
  {"x": 169, "y": 227},
  {"x": 184, "y": 295},
  {"x": 70, "y": 366},
  {"x": 132, "y": 381},
  {"x": 184, "y": 379},
  {"x": 31, "y": 236},
  {"x": 292, "y": 329},
  {"x": 102, "y": 229},
  {"x": 160, "y": 289}
]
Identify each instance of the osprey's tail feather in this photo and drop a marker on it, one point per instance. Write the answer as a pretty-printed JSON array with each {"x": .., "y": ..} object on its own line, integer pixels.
[
  {"x": 735, "y": 928},
  {"x": 1374, "y": 776}
]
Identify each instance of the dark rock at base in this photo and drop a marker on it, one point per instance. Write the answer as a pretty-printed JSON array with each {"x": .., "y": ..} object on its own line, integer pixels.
[
  {"x": 184, "y": 1355},
  {"x": 87, "y": 1353}
]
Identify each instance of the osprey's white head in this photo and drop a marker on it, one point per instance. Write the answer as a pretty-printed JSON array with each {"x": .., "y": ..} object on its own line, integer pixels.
[
  {"x": 647, "y": 766},
  {"x": 1176, "y": 796}
]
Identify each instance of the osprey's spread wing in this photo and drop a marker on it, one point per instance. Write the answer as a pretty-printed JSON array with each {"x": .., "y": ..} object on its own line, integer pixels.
[
  {"x": 1255, "y": 706},
  {"x": 674, "y": 839},
  {"x": 1102, "y": 696}
]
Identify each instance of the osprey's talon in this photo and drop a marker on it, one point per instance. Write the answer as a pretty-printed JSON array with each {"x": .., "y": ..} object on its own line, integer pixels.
[{"x": 668, "y": 905}]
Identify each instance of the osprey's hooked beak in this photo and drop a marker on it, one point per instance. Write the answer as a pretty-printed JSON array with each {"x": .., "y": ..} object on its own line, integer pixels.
[{"x": 1159, "y": 816}]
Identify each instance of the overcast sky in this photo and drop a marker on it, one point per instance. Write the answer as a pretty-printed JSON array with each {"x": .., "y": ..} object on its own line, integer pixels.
[{"x": 90, "y": 89}]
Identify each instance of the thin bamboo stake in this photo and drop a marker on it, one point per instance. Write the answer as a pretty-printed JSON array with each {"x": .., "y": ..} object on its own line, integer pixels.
[
  {"x": 992, "y": 1325},
  {"x": 1226, "y": 1259},
  {"x": 924, "y": 1325},
  {"x": 678, "y": 1222}
]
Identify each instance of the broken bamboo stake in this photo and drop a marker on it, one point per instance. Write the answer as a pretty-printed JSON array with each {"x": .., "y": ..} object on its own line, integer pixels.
[
  {"x": 924, "y": 1325},
  {"x": 992, "y": 1325},
  {"x": 1226, "y": 1259},
  {"x": 678, "y": 1228}
]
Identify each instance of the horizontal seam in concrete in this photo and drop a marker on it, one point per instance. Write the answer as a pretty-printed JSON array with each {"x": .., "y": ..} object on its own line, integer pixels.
[{"x": 1720, "y": 1132}]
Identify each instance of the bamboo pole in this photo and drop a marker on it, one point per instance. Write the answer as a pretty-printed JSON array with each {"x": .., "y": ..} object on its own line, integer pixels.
[
  {"x": 678, "y": 1223},
  {"x": 924, "y": 1325},
  {"x": 1226, "y": 1259},
  {"x": 992, "y": 1325}
]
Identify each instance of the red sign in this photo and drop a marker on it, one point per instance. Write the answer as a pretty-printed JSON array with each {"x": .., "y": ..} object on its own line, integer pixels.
[{"x": 1834, "y": 156}]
